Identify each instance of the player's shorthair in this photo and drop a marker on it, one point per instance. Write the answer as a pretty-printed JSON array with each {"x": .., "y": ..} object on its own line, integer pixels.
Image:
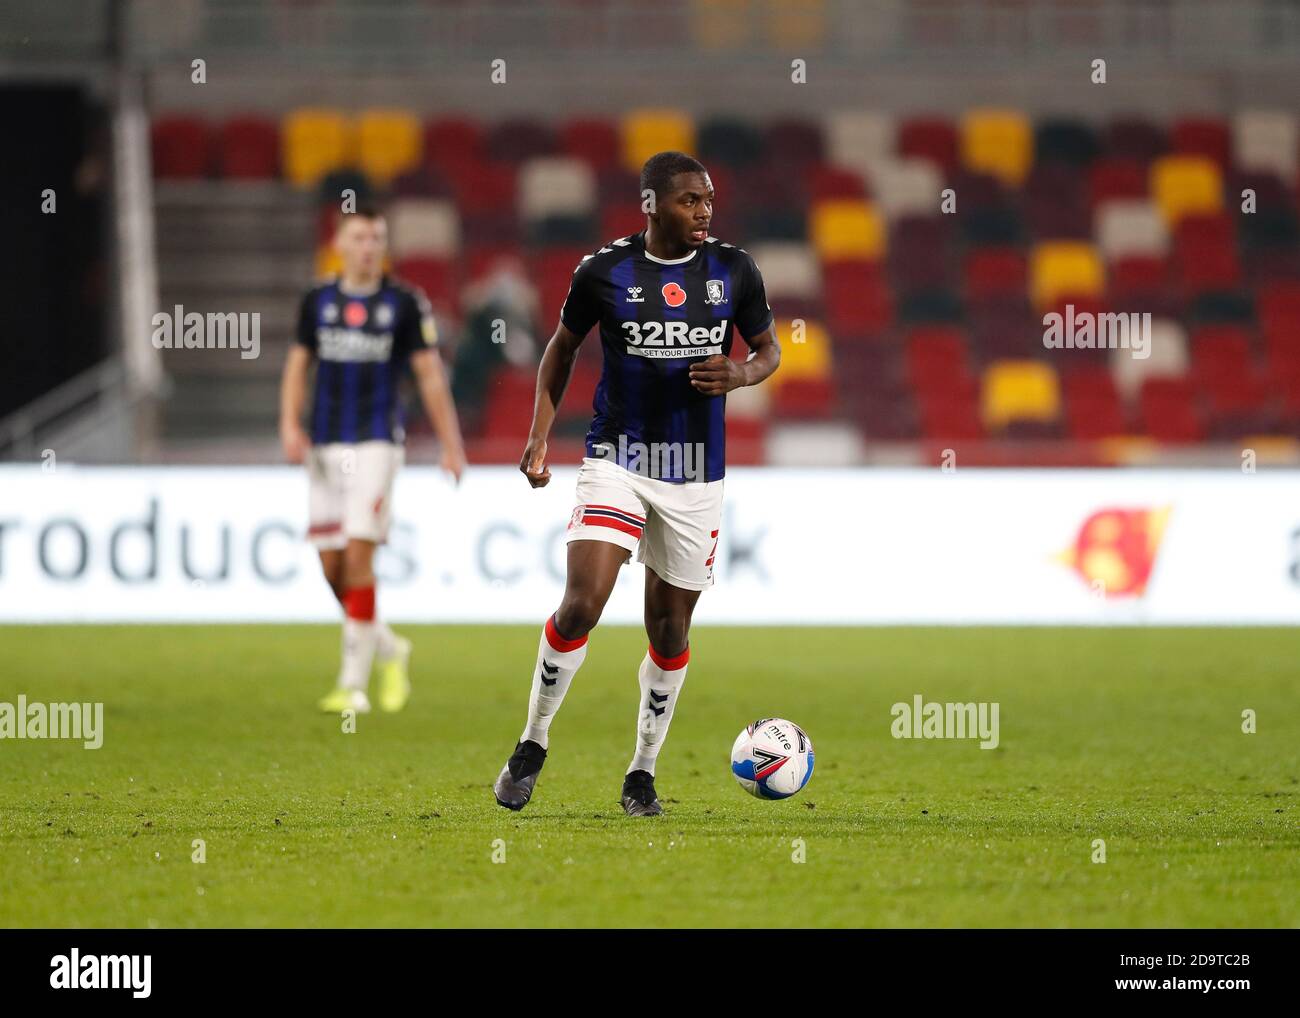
[{"x": 658, "y": 172}]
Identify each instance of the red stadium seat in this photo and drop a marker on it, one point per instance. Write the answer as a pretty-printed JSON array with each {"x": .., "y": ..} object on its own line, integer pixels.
[
  {"x": 436, "y": 277},
  {"x": 1113, "y": 178},
  {"x": 518, "y": 138},
  {"x": 452, "y": 143},
  {"x": 1134, "y": 138},
  {"x": 1169, "y": 411},
  {"x": 931, "y": 138},
  {"x": 807, "y": 399},
  {"x": 182, "y": 148},
  {"x": 1093, "y": 408},
  {"x": 595, "y": 141},
  {"x": 553, "y": 270},
  {"x": 827, "y": 182},
  {"x": 858, "y": 301},
  {"x": 1204, "y": 136},
  {"x": 794, "y": 142},
  {"x": 249, "y": 148},
  {"x": 995, "y": 271}
]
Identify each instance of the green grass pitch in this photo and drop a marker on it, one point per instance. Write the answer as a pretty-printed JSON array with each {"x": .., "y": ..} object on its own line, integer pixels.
[{"x": 1131, "y": 736}]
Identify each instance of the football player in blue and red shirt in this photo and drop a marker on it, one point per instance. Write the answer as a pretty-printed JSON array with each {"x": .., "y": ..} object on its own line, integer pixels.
[
  {"x": 363, "y": 330},
  {"x": 667, "y": 301}
]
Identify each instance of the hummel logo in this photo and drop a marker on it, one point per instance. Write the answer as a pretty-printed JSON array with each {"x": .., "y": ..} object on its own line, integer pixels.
[
  {"x": 634, "y": 295},
  {"x": 657, "y": 698},
  {"x": 550, "y": 673}
]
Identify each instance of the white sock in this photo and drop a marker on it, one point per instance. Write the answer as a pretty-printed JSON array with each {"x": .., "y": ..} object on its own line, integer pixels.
[
  {"x": 660, "y": 687},
  {"x": 358, "y": 654},
  {"x": 385, "y": 642},
  {"x": 558, "y": 661}
]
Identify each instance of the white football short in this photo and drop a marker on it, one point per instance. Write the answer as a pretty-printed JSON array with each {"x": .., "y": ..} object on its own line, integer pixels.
[
  {"x": 673, "y": 528},
  {"x": 351, "y": 491}
]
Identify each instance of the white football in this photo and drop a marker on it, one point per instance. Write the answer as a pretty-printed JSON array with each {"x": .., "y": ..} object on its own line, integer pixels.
[{"x": 772, "y": 758}]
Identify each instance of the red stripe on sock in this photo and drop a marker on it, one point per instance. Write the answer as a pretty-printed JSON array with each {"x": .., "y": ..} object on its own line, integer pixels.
[
  {"x": 359, "y": 604},
  {"x": 670, "y": 664},
  {"x": 558, "y": 643}
]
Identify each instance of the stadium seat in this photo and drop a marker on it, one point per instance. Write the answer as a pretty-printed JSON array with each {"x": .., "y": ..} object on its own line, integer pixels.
[
  {"x": 435, "y": 276},
  {"x": 1168, "y": 359},
  {"x": 730, "y": 141},
  {"x": 424, "y": 226},
  {"x": 516, "y": 139},
  {"x": 181, "y": 148},
  {"x": 1064, "y": 268},
  {"x": 389, "y": 144},
  {"x": 827, "y": 182},
  {"x": 1205, "y": 254},
  {"x": 994, "y": 271},
  {"x": 1130, "y": 226},
  {"x": 249, "y": 149},
  {"x": 806, "y": 399},
  {"x": 1111, "y": 179},
  {"x": 1203, "y": 136},
  {"x": 1067, "y": 141},
  {"x": 453, "y": 143},
  {"x": 843, "y": 228},
  {"x": 998, "y": 142},
  {"x": 1266, "y": 141},
  {"x": 1135, "y": 138},
  {"x": 646, "y": 132},
  {"x": 792, "y": 142},
  {"x": 1169, "y": 412},
  {"x": 931, "y": 138},
  {"x": 906, "y": 186},
  {"x": 1019, "y": 390},
  {"x": 556, "y": 186},
  {"x": 920, "y": 253},
  {"x": 1093, "y": 408},
  {"x": 593, "y": 140},
  {"x": 858, "y": 139},
  {"x": 808, "y": 358},
  {"x": 789, "y": 270},
  {"x": 1183, "y": 185},
  {"x": 313, "y": 144},
  {"x": 552, "y": 272},
  {"x": 858, "y": 304}
]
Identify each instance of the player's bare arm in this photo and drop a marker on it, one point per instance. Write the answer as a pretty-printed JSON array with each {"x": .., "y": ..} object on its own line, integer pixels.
[
  {"x": 552, "y": 379},
  {"x": 293, "y": 393},
  {"x": 718, "y": 375},
  {"x": 435, "y": 395}
]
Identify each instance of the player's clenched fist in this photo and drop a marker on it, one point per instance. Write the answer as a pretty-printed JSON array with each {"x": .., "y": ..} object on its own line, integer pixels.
[
  {"x": 717, "y": 375},
  {"x": 533, "y": 463}
]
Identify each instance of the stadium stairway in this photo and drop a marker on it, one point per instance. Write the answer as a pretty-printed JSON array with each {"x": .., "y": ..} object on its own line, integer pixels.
[{"x": 223, "y": 247}]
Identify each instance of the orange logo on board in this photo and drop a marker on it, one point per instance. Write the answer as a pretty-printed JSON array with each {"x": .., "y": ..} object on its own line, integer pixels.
[{"x": 1117, "y": 548}]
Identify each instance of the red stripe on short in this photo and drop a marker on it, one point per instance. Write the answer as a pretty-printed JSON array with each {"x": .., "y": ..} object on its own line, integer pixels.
[
  {"x": 616, "y": 509},
  {"x": 670, "y": 664},
  {"x": 558, "y": 643},
  {"x": 609, "y": 521},
  {"x": 324, "y": 528}
]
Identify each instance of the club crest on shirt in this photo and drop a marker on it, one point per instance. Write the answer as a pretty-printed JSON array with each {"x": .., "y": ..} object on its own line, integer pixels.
[
  {"x": 383, "y": 316},
  {"x": 715, "y": 293}
]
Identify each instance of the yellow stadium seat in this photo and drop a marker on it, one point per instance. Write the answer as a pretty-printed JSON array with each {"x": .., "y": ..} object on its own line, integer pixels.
[
  {"x": 997, "y": 142},
  {"x": 1186, "y": 185},
  {"x": 646, "y": 132},
  {"x": 796, "y": 22},
  {"x": 314, "y": 143},
  {"x": 1064, "y": 268},
  {"x": 389, "y": 144},
  {"x": 805, "y": 352},
  {"x": 847, "y": 228},
  {"x": 721, "y": 24},
  {"x": 328, "y": 262},
  {"x": 1019, "y": 391}
]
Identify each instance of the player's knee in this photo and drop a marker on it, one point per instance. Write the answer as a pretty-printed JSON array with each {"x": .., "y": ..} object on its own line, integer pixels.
[
  {"x": 578, "y": 614},
  {"x": 668, "y": 632}
]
